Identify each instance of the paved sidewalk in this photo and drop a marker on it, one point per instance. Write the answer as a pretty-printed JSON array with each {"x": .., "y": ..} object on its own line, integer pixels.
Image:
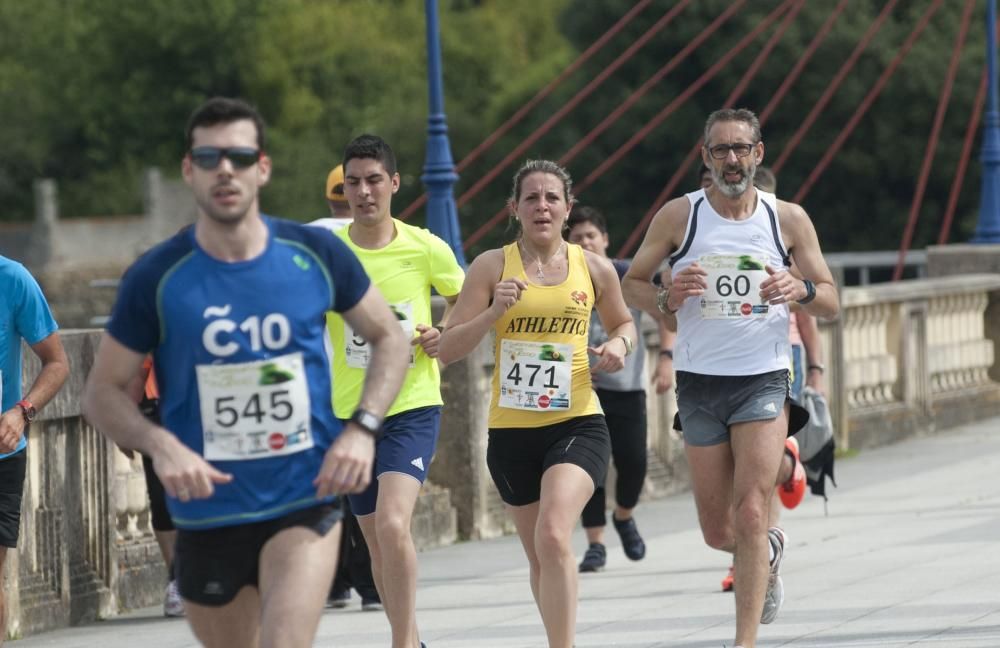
[{"x": 908, "y": 556}]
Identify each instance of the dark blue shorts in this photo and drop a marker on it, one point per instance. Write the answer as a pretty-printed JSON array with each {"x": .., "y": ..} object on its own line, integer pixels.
[{"x": 407, "y": 446}]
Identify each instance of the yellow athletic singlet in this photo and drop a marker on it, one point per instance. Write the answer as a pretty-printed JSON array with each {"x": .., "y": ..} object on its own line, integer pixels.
[{"x": 542, "y": 373}]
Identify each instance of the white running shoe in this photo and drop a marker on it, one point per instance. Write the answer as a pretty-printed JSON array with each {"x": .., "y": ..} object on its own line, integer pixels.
[
  {"x": 775, "y": 595},
  {"x": 173, "y": 605}
]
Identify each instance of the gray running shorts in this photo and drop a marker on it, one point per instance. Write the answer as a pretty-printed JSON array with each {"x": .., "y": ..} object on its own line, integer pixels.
[{"x": 709, "y": 405}]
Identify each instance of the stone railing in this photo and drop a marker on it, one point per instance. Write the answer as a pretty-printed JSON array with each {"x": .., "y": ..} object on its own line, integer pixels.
[
  {"x": 86, "y": 548},
  {"x": 903, "y": 359},
  {"x": 910, "y": 357}
]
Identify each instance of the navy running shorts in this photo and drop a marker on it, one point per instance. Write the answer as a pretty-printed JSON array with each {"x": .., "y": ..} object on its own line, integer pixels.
[
  {"x": 407, "y": 447},
  {"x": 213, "y": 565},
  {"x": 517, "y": 457}
]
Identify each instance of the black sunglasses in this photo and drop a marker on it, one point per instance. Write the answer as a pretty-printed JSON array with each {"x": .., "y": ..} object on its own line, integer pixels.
[{"x": 209, "y": 157}]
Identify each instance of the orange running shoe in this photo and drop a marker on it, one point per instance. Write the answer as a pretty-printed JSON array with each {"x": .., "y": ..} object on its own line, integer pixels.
[
  {"x": 793, "y": 490},
  {"x": 729, "y": 581}
]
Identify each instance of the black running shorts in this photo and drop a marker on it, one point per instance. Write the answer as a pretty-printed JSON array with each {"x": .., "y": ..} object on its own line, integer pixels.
[
  {"x": 12, "y": 470},
  {"x": 213, "y": 565},
  {"x": 517, "y": 457}
]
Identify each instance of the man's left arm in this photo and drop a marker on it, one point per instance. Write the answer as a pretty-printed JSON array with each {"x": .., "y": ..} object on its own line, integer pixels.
[
  {"x": 822, "y": 299},
  {"x": 663, "y": 375},
  {"x": 809, "y": 332},
  {"x": 55, "y": 370}
]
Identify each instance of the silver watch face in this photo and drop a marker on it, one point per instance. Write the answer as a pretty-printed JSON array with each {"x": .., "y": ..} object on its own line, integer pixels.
[{"x": 367, "y": 420}]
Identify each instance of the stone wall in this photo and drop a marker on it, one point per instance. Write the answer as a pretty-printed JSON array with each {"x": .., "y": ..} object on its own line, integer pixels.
[
  {"x": 904, "y": 359},
  {"x": 911, "y": 357},
  {"x": 87, "y": 549},
  {"x": 78, "y": 260}
]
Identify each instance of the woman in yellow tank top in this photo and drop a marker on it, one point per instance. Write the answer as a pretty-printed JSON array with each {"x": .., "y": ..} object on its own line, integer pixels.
[{"x": 548, "y": 442}]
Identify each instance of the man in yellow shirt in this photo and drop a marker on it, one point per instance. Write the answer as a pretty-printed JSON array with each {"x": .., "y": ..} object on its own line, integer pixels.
[{"x": 404, "y": 262}]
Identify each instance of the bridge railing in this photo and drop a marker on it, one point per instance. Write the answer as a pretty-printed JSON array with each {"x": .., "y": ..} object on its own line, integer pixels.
[
  {"x": 903, "y": 359},
  {"x": 911, "y": 356}
]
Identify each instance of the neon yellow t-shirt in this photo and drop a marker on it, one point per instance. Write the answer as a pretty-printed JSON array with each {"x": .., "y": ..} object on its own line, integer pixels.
[{"x": 404, "y": 271}]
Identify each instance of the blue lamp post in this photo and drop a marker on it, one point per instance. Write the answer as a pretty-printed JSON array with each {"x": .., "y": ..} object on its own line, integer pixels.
[
  {"x": 439, "y": 170},
  {"x": 988, "y": 228}
]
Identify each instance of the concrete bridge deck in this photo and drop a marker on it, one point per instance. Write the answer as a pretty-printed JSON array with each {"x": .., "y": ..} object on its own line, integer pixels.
[{"x": 908, "y": 556}]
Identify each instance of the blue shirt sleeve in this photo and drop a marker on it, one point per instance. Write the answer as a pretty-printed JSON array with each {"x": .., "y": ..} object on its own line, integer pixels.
[
  {"x": 33, "y": 319},
  {"x": 134, "y": 321}
]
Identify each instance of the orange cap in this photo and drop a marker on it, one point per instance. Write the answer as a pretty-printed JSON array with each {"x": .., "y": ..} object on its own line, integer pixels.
[{"x": 335, "y": 184}]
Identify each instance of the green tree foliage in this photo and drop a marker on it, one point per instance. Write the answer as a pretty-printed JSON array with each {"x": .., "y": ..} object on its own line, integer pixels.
[
  {"x": 863, "y": 199},
  {"x": 94, "y": 91}
]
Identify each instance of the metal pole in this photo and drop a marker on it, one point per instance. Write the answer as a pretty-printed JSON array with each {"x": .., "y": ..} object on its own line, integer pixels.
[
  {"x": 988, "y": 228},
  {"x": 439, "y": 169}
]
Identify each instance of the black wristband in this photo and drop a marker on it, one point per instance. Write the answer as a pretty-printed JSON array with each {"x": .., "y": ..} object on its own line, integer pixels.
[
  {"x": 810, "y": 292},
  {"x": 667, "y": 352},
  {"x": 368, "y": 422},
  {"x": 439, "y": 328}
]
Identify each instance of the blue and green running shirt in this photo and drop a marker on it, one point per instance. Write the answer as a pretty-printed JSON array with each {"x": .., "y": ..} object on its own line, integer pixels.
[{"x": 242, "y": 363}]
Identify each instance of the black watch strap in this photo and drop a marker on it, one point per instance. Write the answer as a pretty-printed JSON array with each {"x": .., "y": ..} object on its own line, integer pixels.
[
  {"x": 370, "y": 423},
  {"x": 810, "y": 292}
]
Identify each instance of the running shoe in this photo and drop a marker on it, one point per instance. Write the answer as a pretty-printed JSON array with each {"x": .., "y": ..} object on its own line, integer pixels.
[
  {"x": 371, "y": 603},
  {"x": 173, "y": 605},
  {"x": 338, "y": 599},
  {"x": 594, "y": 558},
  {"x": 729, "y": 582},
  {"x": 775, "y": 595},
  {"x": 632, "y": 542},
  {"x": 793, "y": 490}
]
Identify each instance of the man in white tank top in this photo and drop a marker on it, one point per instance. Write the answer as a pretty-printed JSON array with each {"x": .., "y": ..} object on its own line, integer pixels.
[{"x": 727, "y": 293}]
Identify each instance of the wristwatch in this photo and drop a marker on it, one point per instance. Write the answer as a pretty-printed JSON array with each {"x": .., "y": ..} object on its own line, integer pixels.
[
  {"x": 27, "y": 410},
  {"x": 810, "y": 292},
  {"x": 628, "y": 344},
  {"x": 663, "y": 301},
  {"x": 370, "y": 423}
]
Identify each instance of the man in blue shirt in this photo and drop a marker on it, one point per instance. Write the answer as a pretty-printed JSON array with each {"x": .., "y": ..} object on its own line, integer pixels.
[
  {"x": 249, "y": 452},
  {"x": 24, "y": 315}
]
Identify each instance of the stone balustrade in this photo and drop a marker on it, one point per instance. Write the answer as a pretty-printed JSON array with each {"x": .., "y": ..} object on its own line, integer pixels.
[
  {"x": 902, "y": 359},
  {"x": 910, "y": 357}
]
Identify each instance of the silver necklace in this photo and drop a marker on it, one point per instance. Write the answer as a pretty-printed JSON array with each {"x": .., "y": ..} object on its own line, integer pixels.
[{"x": 538, "y": 259}]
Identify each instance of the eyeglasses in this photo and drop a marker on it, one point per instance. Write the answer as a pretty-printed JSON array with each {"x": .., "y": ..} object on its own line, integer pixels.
[
  {"x": 209, "y": 157},
  {"x": 721, "y": 151}
]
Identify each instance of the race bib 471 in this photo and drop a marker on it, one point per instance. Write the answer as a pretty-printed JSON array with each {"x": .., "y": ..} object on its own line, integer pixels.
[{"x": 535, "y": 376}]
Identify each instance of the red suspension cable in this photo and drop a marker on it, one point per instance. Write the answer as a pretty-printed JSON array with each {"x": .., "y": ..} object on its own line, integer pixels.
[
  {"x": 866, "y": 102},
  {"x": 800, "y": 65},
  {"x": 708, "y": 75},
  {"x": 572, "y": 103},
  {"x": 676, "y": 60},
  {"x": 534, "y": 101},
  {"x": 796, "y": 6},
  {"x": 932, "y": 140},
  {"x": 693, "y": 154},
  {"x": 834, "y": 84},
  {"x": 963, "y": 161},
  {"x": 610, "y": 119}
]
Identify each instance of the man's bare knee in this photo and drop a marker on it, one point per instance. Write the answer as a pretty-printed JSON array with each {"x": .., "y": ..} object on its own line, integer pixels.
[{"x": 751, "y": 517}]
